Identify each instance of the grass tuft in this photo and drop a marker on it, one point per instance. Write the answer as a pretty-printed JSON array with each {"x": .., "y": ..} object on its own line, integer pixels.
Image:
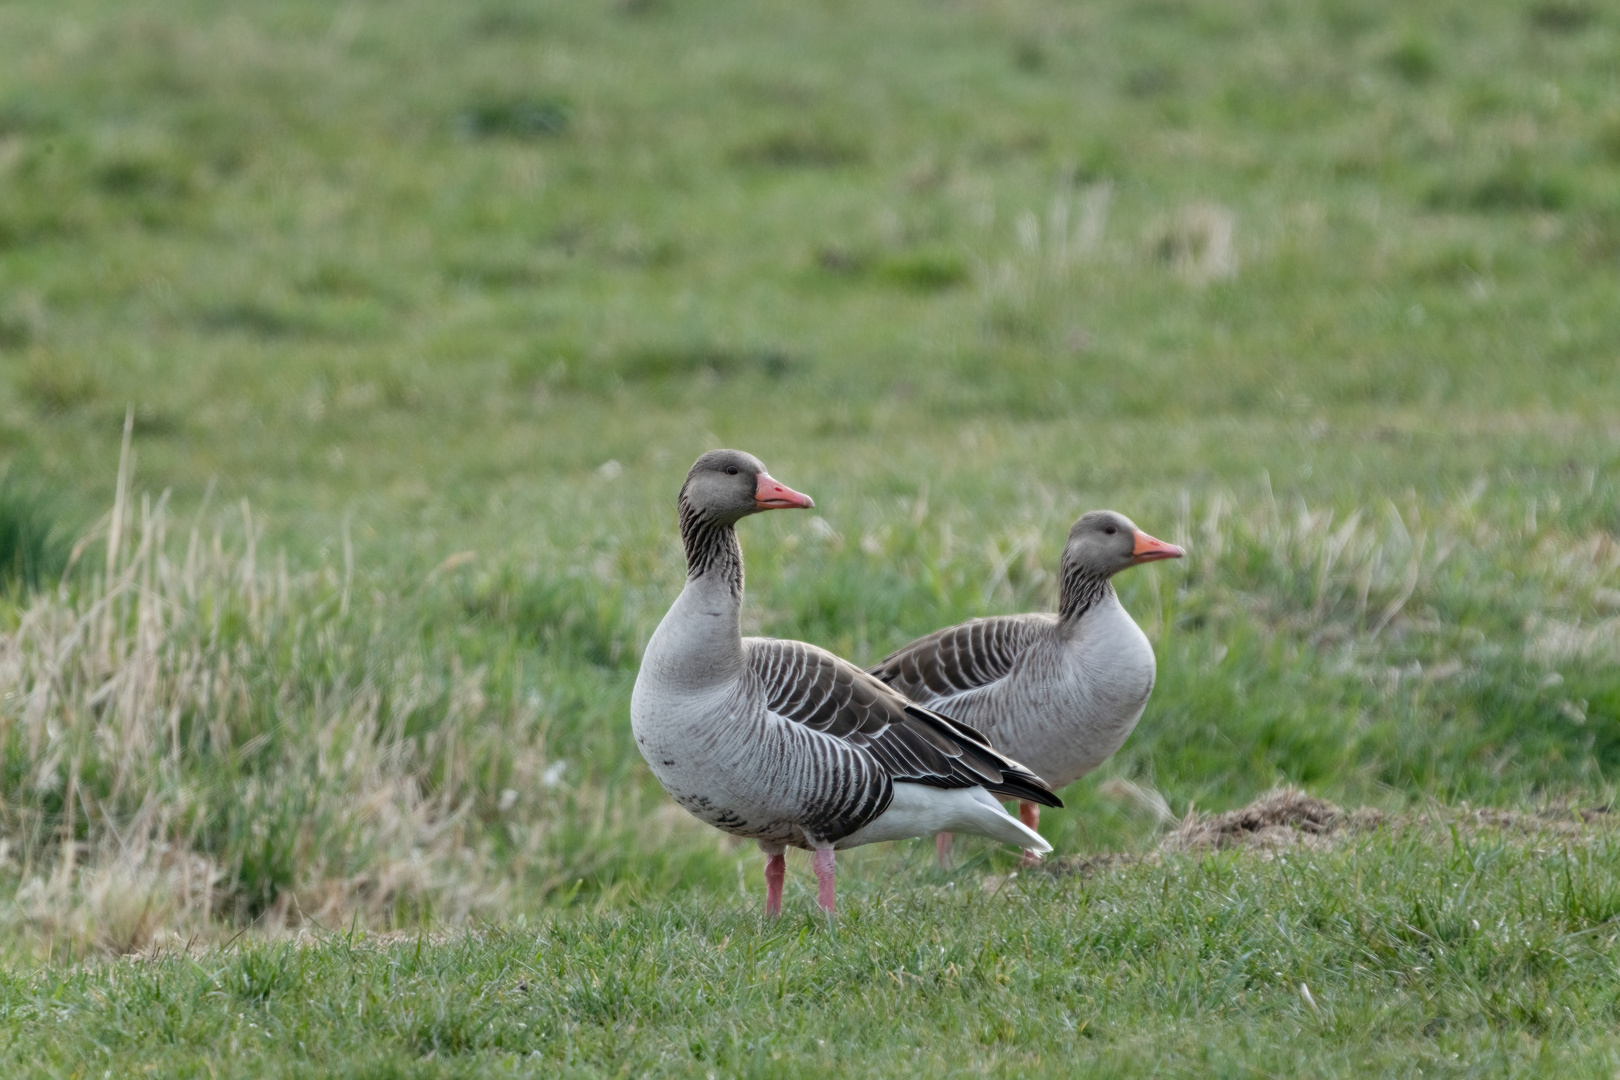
[
  {"x": 1562, "y": 16},
  {"x": 54, "y": 382},
  {"x": 231, "y": 740},
  {"x": 803, "y": 148},
  {"x": 1518, "y": 185},
  {"x": 1415, "y": 60},
  {"x": 34, "y": 545},
  {"x": 667, "y": 366},
  {"x": 515, "y": 118},
  {"x": 925, "y": 271}
]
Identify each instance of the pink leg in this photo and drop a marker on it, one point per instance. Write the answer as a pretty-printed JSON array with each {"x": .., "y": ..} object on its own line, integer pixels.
[
  {"x": 942, "y": 848},
  {"x": 775, "y": 872},
  {"x": 1030, "y": 814},
  {"x": 822, "y": 863}
]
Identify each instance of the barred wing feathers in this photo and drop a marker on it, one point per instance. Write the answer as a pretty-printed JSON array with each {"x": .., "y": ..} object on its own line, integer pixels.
[
  {"x": 813, "y": 687},
  {"x": 963, "y": 657}
]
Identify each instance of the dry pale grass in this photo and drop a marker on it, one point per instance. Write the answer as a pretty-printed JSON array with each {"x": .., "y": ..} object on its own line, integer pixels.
[
  {"x": 1198, "y": 242},
  {"x": 193, "y": 742},
  {"x": 1364, "y": 578},
  {"x": 196, "y": 739}
]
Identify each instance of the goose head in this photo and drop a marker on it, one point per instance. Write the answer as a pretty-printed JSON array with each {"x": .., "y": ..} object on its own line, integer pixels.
[
  {"x": 725, "y": 486},
  {"x": 1103, "y": 542}
]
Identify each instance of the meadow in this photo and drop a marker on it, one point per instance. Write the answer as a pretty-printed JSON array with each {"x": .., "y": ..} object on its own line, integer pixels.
[{"x": 351, "y": 356}]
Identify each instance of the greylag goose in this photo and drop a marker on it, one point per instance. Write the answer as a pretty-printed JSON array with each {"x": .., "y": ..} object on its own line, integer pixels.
[
  {"x": 1062, "y": 691},
  {"x": 785, "y": 743}
]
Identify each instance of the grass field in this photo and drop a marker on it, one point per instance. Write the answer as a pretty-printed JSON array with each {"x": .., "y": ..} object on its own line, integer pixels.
[{"x": 413, "y": 316}]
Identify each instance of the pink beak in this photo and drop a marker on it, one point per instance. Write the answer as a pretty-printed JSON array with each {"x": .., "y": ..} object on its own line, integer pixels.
[
  {"x": 1148, "y": 549},
  {"x": 770, "y": 495}
]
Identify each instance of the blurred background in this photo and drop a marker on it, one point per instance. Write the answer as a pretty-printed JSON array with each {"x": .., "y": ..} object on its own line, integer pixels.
[{"x": 351, "y": 356}]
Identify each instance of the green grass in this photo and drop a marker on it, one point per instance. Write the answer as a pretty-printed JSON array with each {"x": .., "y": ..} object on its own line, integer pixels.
[
  {"x": 1473, "y": 953},
  {"x": 419, "y": 314},
  {"x": 33, "y": 548}
]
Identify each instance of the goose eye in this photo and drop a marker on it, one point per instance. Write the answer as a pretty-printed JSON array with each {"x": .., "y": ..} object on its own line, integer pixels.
[
  {"x": 731, "y": 470},
  {"x": 1110, "y": 530}
]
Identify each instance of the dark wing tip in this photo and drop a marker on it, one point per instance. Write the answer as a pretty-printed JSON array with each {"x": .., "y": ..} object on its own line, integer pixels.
[
  {"x": 955, "y": 726},
  {"x": 1042, "y": 794},
  {"x": 1015, "y": 780}
]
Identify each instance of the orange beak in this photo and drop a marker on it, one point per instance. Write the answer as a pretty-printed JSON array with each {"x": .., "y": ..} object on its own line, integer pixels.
[
  {"x": 1148, "y": 549},
  {"x": 770, "y": 495}
]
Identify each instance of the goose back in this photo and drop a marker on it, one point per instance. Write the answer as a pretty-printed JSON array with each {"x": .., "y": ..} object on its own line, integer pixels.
[
  {"x": 964, "y": 657},
  {"x": 1060, "y": 695}
]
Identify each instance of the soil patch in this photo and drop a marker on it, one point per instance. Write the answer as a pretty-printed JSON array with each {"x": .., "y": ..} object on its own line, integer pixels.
[{"x": 1282, "y": 817}]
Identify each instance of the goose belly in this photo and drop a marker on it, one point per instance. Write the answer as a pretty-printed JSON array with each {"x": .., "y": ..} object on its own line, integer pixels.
[
  {"x": 739, "y": 768},
  {"x": 1065, "y": 718},
  {"x": 1066, "y": 736}
]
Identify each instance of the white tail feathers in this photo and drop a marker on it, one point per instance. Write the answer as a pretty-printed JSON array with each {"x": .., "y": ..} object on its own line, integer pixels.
[
  {"x": 920, "y": 810},
  {"x": 1000, "y": 825}
]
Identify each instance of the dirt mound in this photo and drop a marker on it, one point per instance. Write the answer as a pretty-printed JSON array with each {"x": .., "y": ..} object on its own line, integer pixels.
[
  {"x": 1287, "y": 817},
  {"x": 1283, "y": 817}
]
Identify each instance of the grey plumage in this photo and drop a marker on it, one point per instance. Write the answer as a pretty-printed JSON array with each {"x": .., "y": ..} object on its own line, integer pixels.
[
  {"x": 782, "y": 741},
  {"x": 1061, "y": 691}
]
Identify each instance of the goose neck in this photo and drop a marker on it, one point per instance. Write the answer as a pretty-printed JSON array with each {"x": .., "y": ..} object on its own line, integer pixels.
[
  {"x": 712, "y": 550},
  {"x": 699, "y": 642},
  {"x": 1082, "y": 592}
]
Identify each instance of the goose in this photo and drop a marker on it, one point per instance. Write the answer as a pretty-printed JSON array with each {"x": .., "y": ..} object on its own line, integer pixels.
[
  {"x": 785, "y": 743},
  {"x": 1061, "y": 691}
]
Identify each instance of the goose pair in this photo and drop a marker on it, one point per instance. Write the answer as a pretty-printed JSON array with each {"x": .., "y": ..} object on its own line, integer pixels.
[{"x": 785, "y": 743}]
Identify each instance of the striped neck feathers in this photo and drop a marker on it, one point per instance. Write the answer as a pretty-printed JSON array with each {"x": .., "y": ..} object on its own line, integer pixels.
[
  {"x": 1082, "y": 590},
  {"x": 711, "y": 548}
]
